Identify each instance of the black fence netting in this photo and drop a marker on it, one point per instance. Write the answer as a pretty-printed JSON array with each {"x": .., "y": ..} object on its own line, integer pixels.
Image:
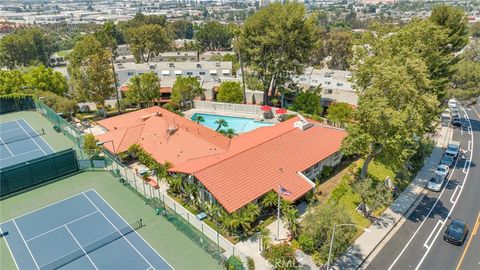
[
  {"x": 37, "y": 171},
  {"x": 12, "y": 103}
]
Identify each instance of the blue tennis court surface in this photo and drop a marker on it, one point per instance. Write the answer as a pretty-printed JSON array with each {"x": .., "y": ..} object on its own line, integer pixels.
[
  {"x": 19, "y": 142},
  {"x": 80, "y": 232}
]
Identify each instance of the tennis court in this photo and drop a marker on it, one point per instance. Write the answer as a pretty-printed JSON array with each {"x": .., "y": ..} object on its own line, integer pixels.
[
  {"x": 19, "y": 142},
  {"x": 80, "y": 232}
]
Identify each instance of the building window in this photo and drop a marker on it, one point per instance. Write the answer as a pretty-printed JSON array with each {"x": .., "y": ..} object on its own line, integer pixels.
[
  {"x": 199, "y": 66},
  {"x": 171, "y": 65},
  {"x": 308, "y": 171},
  {"x": 329, "y": 91},
  {"x": 336, "y": 157},
  {"x": 339, "y": 84},
  {"x": 328, "y": 83},
  {"x": 189, "y": 73},
  {"x": 201, "y": 73},
  {"x": 130, "y": 73}
]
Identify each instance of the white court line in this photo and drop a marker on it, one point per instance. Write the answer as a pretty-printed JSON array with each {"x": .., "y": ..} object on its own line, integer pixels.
[
  {"x": 84, "y": 252},
  {"x": 32, "y": 139},
  {"x": 10, "y": 130},
  {"x": 133, "y": 230},
  {"x": 24, "y": 153},
  {"x": 38, "y": 209},
  {"x": 56, "y": 228},
  {"x": 453, "y": 206},
  {"x": 29, "y": 251},
  {"x": 6, "y": 242},
  {"x": 7, "y": 147},
  {"x": 431, "y": 234},
  {"x": 139, "y": 253},
  {"x": 41, "y": 138},
  {"x": 455, "y": 193}
]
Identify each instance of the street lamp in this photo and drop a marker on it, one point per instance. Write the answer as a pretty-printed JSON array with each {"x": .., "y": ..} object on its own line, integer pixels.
[{"x": 333, "y": 236}]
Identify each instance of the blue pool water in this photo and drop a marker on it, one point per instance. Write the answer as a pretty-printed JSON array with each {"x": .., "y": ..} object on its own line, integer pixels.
[{"x": 239, "y": 124}]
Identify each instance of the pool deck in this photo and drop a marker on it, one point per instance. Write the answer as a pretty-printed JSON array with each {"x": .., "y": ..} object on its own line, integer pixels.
[{"x": 258, "y": 117}]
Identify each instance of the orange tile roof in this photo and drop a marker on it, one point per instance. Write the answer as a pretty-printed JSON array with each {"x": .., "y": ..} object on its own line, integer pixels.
[
  {"x": 262, "y": 160},
  {"x": 149, "y": 128},
  {"x": 163, "y": 89}
]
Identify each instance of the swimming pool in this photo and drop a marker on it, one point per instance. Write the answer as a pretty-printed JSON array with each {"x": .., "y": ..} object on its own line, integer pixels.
[{"x": 239, "y": 124}]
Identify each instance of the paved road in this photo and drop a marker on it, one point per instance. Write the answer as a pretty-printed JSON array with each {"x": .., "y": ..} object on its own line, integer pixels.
[{"x": 418, "y": 243}]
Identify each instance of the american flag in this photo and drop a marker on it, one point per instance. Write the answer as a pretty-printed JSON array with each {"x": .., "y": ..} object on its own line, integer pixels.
[{"x": 284, "y": 191}]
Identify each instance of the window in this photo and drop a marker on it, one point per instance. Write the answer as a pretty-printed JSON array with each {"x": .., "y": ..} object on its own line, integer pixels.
[
  {"x": 339, "y": 84},
  {"x": 328, "y": 83},
  {"x": 189, "y": 73},
  {"x": 184, "y": 59},
  {"x": 130, "y": 73},
  {"x": 308, "y": 171},
  {"x": 329, "y": 91},
  {"x": 336, "y": 156},
  {"x": 316, "y": 166},
  {"x": 199, "y": 66},
  {"x": 161, "y": 59},
  {"x": 171, "y": 65},
  {"x": 202, "y": 73}
]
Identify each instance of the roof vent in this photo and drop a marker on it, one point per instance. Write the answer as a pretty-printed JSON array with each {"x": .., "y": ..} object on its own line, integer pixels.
[
  {"x": 171, "y": 131},
  {"x": 302, "y": 124},
  {"x": 159, "y": 114}
]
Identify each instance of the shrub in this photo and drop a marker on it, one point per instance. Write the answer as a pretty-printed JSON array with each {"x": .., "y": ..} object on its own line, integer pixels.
[
  {"x": 307, "y": 244},
  {"x": 90, "y": 144},
  {"x": 327, "y": 171},
  {"x": 281, "y": 256},
  {"x": 339, "y": 191},
  {"x": 250, "y": 263},
  {"x": 234, "y": 263}
]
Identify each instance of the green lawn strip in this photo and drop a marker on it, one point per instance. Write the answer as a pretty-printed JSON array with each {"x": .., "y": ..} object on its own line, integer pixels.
[{"x": 171, "y": 243}]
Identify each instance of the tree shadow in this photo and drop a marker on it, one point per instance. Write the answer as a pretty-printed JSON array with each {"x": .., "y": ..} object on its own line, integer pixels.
[{"x": 419, "y": 214}]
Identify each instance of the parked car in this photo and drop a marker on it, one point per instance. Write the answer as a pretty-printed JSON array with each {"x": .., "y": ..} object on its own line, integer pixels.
[
  {"x": 442, "y": 170},
  {"x": 435, "y": 183},
  {"x": 452, "y": 102},
  {"x": 447, "y": 160},
  {"x": 456, "y": 121},
  {"x": 455, "y": 114},
  {"x": 453, "y": 149},
  {"x": 456, "y": 232}
]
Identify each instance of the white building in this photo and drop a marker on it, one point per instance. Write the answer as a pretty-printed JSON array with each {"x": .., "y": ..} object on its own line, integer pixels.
[{"x": 336, "y": 85}]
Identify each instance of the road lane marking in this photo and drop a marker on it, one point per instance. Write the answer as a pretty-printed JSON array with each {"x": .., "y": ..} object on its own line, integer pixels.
[
  {"x": 453, "y": 206},
  {"x": 466, "y": 166},
  {"x": 469, "y": 146},
  {"x": 461, "y": 130},
  {"x": 454, "y": 193},
  {"x": 478, "y": 114},
  {"x": 472, "y": 234},
  {"x": 440, "y": 222},
  {"x": 426, "y": 217}
]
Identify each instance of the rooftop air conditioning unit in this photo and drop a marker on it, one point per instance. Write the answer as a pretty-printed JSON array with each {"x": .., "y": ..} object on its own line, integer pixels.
[{"x": 171, "y": 131}]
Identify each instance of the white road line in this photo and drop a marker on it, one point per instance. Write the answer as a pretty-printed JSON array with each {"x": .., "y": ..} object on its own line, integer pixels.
[
  {"x": 454, "y": 193},
  {"x": 440, "y": 222},
  {"x": 28, "y": 248},
  {"x": 41, "y": 138},
  {"x": 56, "y": 228},
  {"x": 134, "y": 230},
  {"x": 461, "y": 130},
  {"x": 6, "y": 242},
  {"x": 84, "y": 252},
  {"x": 425, "y": 219},
  {"x": 139, "y": 253},
  {"x": 469, "y": 146},
  {"x": 6, "y": 147},
  {"x": 453, "y": 206},
  {"x": 466, "y": 166},
  {"x": 31, "y": 138}
]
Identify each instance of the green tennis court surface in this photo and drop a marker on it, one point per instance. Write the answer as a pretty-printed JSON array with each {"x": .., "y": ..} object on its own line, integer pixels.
[{"x": 171, "y": 244}]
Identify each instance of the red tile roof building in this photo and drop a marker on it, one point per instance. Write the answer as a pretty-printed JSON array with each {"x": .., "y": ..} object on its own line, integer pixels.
[{"x": 234, "y": 171}]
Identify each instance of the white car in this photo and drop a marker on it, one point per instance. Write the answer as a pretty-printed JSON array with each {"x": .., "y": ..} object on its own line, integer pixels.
[
  {"x": 442, "y": 170},
  {"x": 435, "y": 183},
  {"x": 452, "y": 102}
]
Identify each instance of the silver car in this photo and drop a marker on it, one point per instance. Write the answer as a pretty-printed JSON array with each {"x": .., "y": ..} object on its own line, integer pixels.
[
  {"x": 435, "y": 183},
  {"x": 442, "y": 170}
]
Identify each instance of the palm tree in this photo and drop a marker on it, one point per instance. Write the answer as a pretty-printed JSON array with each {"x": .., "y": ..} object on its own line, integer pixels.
[
  {"x": 252, "y": 211},
  {"x": 231, "y": 223},
  {"x": 290, "y": 216},
  {"x": 175, "y": 183},
  {"x": 270, "y": 200},
  {"x": 199, "y": 119},
  {"x": 244, "y": 219},
  {"x": 230, "y": 132},
  {"x": 191, "y": 192},
  {"x": 221, "y": 123},
  {"x": 265, "y": 239}
]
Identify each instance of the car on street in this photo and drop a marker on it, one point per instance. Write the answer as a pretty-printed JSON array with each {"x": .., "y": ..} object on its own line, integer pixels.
[
  {"x": 447, "y": 160},
  {"x": 442, "y": 170},
  {"x": 452, "y": 102},
  {"x": 456, "y": 232},
  {"x": 456, "y": 121},
  {"x": 453, "y": 149},
  {"x": 455, "y": 114},
  {"x": 435, "y": 183}
]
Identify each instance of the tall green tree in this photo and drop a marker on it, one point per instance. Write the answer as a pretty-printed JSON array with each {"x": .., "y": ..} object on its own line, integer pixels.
[
  {"x": 144, "y": 88},
  {"x": 25, "y": 47},
  {"x": 339, "y": 47},
  {"x": 46, "y": 79},
  {"x": 230, "y": 92},
  {"x": 147, "y": 40},
  {"x": 341, "y": 113},
  {"x": 185, "y": 89},
  {"x": 181, "y": 29},
  {"x": 276, "y": 43},
  {"x": 90, "y": 72},
  {"x": 395, "y": 109},
  {"x": 308, "y": 101},
  {"x": 455, "y": 21},
  {"x": 214, "y": 36},
  {"x": 11, "y": 81}
]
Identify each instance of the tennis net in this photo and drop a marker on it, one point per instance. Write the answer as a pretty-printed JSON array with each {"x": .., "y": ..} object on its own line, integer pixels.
[
  {"x": 7, "y": 137},
  {"x": 92, "y": 246}
]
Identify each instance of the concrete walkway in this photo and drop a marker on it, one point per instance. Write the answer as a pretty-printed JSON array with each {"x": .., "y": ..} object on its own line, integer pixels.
[{"x": 365, "y": 247}]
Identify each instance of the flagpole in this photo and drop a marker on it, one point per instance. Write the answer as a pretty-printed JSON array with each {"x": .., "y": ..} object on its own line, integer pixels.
[{"x": 278, "y": 212}]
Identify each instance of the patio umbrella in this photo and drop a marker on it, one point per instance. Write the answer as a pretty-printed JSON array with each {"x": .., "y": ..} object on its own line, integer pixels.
[
  {"x": 281, "y": 111},
  {"x": 265, "y": 108}
]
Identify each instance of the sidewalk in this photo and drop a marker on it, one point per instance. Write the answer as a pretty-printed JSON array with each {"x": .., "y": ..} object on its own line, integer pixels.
[{"x": 361, "y": 252}]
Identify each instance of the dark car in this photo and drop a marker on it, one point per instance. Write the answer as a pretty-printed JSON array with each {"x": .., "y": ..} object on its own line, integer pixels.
[
  {"x": 457, "y": 122},
  {"x": 456, "y": 232},
  {"x": 447, "y": 160}
]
